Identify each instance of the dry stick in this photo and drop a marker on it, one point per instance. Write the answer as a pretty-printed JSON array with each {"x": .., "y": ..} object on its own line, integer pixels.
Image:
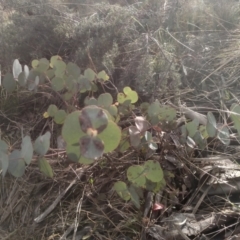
[
  {"x": 201, "y": 199},
  {"x": 191, "y": 114},
  {"x": 184, "y": 236},
  {"x": 194, "y": 165},
  {"x": 79, "y": 208},
  {"x": 224, "y": 64},
  {"x": 54, "y": 204},
  {"x": 66, "y": 233},
  {"x": 179, "y": 41}
]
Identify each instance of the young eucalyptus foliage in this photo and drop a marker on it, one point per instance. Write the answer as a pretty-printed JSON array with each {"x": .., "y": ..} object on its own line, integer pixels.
[{"x": 91, "y": 132}]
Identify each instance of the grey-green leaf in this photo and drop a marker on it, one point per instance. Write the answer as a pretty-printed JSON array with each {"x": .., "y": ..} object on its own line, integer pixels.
[
  {"x": 27, "y": 149},
  {"x": 45, "y": 167},
  {"x": 58, "y": 83},
  {"x": 42, "y": 144},
  {"x": 60, "y": 116},
  {"x": 4, "y": 162},
  {"x": 9, "y": 83},
  {"x": 211, "y": 119},
  {"x": 17, "y": 68},
  {"x": 235, "y": 116},
  {"x": 134, "y": 196},
  {"x": 223, "y": 134},
  {"x": 122, "y": 190},
  {"x": 3, "y": 146},
  {"x": 16, "y": 164},
  {"x": 192, "y": 127}
]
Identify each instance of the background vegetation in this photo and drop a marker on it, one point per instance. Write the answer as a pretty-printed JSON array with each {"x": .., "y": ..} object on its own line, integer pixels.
[{"x": 180, "y": 52}]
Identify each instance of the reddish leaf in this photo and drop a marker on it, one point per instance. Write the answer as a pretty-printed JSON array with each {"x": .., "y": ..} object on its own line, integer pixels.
[
  {"x": 157, "y": 206},
  {"x": 141, "y": 124}
]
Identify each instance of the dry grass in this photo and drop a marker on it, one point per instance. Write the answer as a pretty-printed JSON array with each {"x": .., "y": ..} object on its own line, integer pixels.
[{"x": 204, "y": 42}]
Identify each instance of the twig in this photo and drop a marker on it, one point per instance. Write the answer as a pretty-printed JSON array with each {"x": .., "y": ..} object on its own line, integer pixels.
[
  {"x": 54, "y": 204},
  {"x": 179, "y": 41},
  {"x": 79, "y": 207},
  {"x": 184, "y": 236}
]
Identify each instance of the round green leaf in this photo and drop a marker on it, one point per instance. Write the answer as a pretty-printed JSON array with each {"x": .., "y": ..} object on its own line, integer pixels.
[
  {"x": 89, "y": 74},
  {"x": 43, "y": 65},
  {"x": 127, "y": 95},
  {"x": 111, "y": 137},
  {"x": 94, "y": 87},
  {"x": 112, "y": 110},
  {"x": 93, "y": 117},
  {"x": 71, "y": 84},
  {"x": 105, "y": 100},
  {"x": 9, "y": 83},
  {"x": 91, "y": 147},
  {"x": 153, "y": 171},
  {"x": 54, "y": 59},
  {"x": 124, "y": 145},
  {"x": 130, "y": 94},
  {"x": 84, "y": 84},
  {"x": 121, "y": 98},
  {"x": 155, "y": 186},
  {"x": 122, "y": 190},
  {"x": 192, "y": 127},
  {"x": 45, "y": 167},
  {"x": 58, "y": 83},
  {"x": 16, "y": 164},
  {"x": 68, "y": 95},
  {"x": 60, "y": 116},
  {"x": 85, "y": 161},
  {"x": 35, "y": 63},
  {"x": 90, "y": 101},
  {"x": 167, "y": 113},
  {"x": 52, "y": 109},
  {"x": 50, "y": 73},
  {"x": 60, "y": 68},
  {"x": 154, "y": 109},
  {"x": 144, "y": 107},
  {"x": 103, "y": 76},
  {"x": 71, "y": 131},
  {"x": 27, "y": 149},
  {"x": 73, "y": 152},
  {"x": 42, "y": 144},
  {"x": 135, "y": 174},
  {"x": 42, "y": 78},
  {"x": 73, "y": 70}
]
